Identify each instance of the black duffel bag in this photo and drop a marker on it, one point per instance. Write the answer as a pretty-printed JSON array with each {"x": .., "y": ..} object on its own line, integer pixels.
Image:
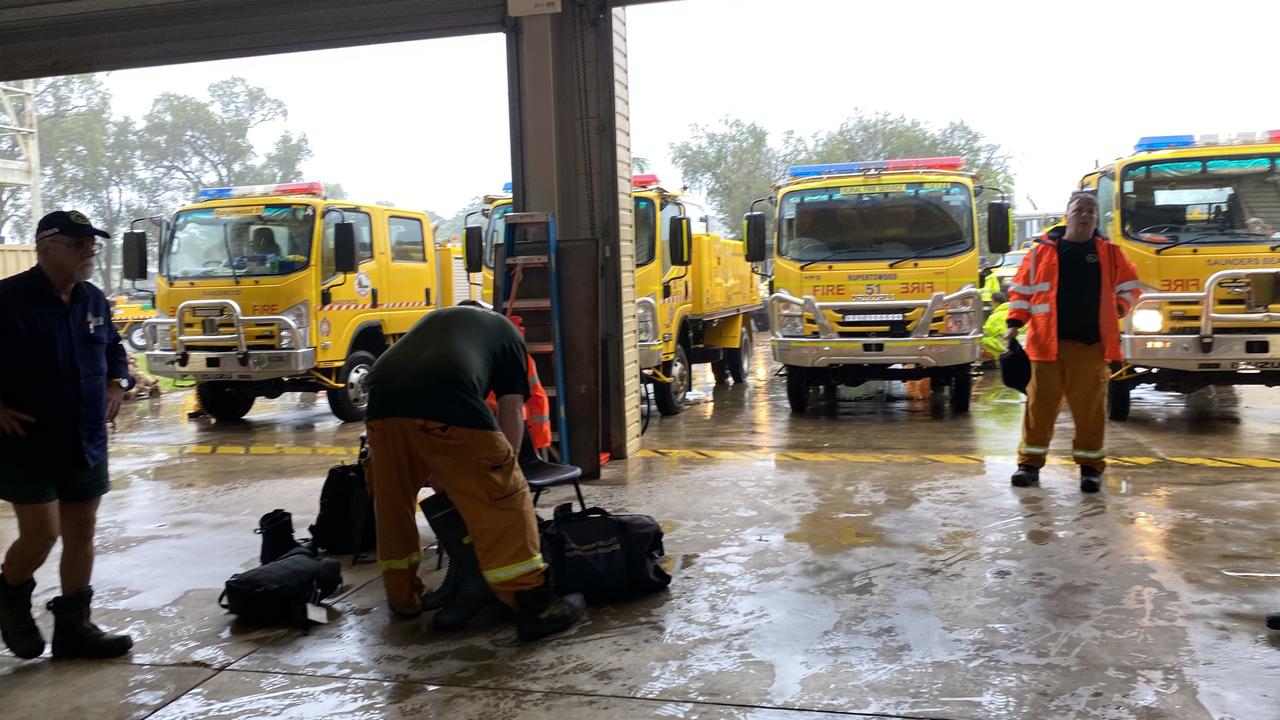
[
  {"x": 601, "y": 555},
  {"x": 277, "y": 593}
]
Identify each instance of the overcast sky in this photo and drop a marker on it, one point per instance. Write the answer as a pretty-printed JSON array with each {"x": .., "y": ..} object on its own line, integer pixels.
[{"x": 1059, "y": 84}]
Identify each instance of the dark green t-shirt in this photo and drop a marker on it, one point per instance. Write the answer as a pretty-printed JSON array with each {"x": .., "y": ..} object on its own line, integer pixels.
[
  {"x": 446, "y": 365},
  {"x": 1079, "y": 291}
]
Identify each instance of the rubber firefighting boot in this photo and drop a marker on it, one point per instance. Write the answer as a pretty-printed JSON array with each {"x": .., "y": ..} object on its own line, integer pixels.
[
  {"x": 439, "y": 597},
  {"x": 471, "y": 592},
  {"x": 1090, "y": 479},
  {"x": 540, "y": 612},
  {"x": 17, "y": 627},
  {"x": 74, "y": 636},
  {"x": 1025, "y": 476},
  {"x": 1273, "y": 621},
  {"x": 276, "y": 529}
]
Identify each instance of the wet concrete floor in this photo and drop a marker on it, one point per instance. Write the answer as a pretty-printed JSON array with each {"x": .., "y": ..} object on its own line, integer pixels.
[{"x": 866, "y": 559}]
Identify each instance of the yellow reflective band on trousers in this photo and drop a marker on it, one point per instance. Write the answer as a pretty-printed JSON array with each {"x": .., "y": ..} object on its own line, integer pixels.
[
  {"x": 401, "y": 564},
  {"x": 515, "y": 570}
]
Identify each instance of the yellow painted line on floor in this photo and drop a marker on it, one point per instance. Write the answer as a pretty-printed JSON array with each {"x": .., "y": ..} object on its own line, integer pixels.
[
  {"x": 1203, "y": 462},
  {"x": 1253, "y": 462},
  {"x": 705, "y": 454},
  {"x": 953, "y": 459}
]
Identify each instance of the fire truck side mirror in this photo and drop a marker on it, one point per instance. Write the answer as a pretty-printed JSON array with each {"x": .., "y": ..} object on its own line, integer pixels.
[
  {"x": 999, "y": 227},
  {"x": 680, "y": 238},
  {"x": 753, "y": 234},
  {"x": 344, "y": 247},
  {"x": 135, "y": 255},
  {"x": 473, "y": 248}
]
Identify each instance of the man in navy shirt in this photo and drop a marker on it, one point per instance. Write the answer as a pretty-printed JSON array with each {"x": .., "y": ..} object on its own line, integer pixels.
[{"x": 63, "y": 375}]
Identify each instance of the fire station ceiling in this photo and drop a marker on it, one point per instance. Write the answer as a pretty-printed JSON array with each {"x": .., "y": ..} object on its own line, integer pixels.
[{"x": 41, "y": 38}]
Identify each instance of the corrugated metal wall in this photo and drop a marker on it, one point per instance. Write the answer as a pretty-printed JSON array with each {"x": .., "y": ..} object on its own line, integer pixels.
[
  {"x": 16, "y": 258},
  {"x": 626, "y": 234}
]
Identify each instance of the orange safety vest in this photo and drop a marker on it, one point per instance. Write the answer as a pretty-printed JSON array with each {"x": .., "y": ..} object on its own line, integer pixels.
[
  {"x": 1033, "y": 296},
  {"x": 537, "y": 409}
]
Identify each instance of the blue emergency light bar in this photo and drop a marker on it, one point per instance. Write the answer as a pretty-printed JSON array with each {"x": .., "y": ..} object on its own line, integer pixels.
[
  {"x": 311, "y": 189},
  {"x": 949, "y": 162},
  {"x": 506, "y": 188},
  {"x": 1160, "y": 142}
]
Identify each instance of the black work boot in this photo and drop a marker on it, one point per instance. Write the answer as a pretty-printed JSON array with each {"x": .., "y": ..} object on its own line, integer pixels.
[
  {"x": 1273, "y": 621},
  {"x": 1090, "y": 479},
  {"x": 540, "y": 612},
  {"x": 438, "y": 598},
  {"x": 74, "y": 636},
  {"x": 276, "y": 529},
  {"x": 471, "y": 593},
  {"x": 1025, "y": 476},
  {"x": 17, "y": 626}
]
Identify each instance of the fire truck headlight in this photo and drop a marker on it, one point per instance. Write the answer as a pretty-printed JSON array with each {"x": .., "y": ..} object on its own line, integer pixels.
[
  {"x": 1148, "y": 320},
  {"x": 792, "y": 324},
  {"x": 646, "y": 323},
  {"x": 960, "y": 315},
  {"x": 300, "y": 314}
]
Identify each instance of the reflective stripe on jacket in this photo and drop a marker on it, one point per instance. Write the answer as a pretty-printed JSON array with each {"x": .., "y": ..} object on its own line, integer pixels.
[{"x": 1033, "y": 296}]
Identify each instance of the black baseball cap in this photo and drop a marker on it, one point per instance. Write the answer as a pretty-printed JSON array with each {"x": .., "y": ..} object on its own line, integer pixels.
[{"x": 67, "y": 222}]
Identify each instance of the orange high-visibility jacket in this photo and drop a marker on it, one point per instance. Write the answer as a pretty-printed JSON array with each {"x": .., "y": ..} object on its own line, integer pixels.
[
  {"x": 1033, "y": 296},
  {"x": 537, "y": 409}
]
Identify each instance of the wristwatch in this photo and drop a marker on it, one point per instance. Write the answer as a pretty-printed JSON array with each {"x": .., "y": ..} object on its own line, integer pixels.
[{"x": 126, "y": 383}]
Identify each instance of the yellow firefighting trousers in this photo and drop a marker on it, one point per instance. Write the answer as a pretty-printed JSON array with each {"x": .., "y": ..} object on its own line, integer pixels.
[
  {"x": 1079, "y": 376},
  {"x": 477, "y": 470}
]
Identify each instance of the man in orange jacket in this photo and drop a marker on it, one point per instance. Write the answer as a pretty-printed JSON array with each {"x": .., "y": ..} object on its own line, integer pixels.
[{"x": 1070, "y": 292}]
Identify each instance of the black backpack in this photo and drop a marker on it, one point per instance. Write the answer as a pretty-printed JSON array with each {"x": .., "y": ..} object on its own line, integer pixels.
[
  {"x": 601, "y": 555},
  {"x": 345, "y": 525},
  {"x": 277, "y": 593}
]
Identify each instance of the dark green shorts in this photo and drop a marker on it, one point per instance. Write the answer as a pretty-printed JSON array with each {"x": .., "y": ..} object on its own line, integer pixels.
[{"x": 23, "y": 484}]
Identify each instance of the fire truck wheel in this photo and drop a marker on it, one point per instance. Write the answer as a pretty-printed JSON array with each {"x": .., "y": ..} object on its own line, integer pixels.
[
  {"x": 135, "y": 338},
  {"x": 670, "y": 396},
  {"x": 349, "y": 401},
  {"x": 797, "y": 389},
  {"x": 1118, "y": 400},
  {"x": 738, "y": 360},
  {"x": 961, "y": 390},
  {"x": 223, "y": 401}
]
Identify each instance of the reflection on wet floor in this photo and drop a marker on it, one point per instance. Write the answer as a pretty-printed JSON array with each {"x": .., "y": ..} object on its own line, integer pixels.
[{"x": 874, "y": 585}]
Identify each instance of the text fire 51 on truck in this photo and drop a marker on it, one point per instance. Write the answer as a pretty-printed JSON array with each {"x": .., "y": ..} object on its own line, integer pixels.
[
  {"x": 270, "y": 289},
  {"x": 875, "y": 273}
]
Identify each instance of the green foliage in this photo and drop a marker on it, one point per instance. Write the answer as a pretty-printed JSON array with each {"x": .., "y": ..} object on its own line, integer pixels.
[
  {"x": 449, "y": 227},
  {"x": 116, "y": 170},
  {"x": 735, "y": 162}
]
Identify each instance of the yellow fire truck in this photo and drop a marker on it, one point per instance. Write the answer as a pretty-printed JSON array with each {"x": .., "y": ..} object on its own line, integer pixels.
[
  {"x": 875, "y": 273},
  {"x": 129, "y": 310},
  {"x": 1200, "y": 219},
  {"x": 694, "y": 291},
  {"x": 270, "y": 289}
]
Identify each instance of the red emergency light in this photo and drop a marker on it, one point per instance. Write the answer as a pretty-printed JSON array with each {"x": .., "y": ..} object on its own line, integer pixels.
[
  {"x": 949, "y": 162},
  {"x": 644, "y": 181},
  {"x": 302, "y": 188},
  {"x": 1273, "y": 136}
]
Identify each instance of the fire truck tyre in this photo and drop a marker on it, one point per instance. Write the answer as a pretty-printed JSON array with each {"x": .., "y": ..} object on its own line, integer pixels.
[
  {"x": 135, "y": 338},
  {"x": 961, "y": 390},
  {"x": 223, "y": 401},
  {"x": 349, "y": 401},
  {"x": 738, "y": 360},
  {"x": 797, "y": 389},
  {"x": 670, "y": 396},
  {"x": 1118, "y": 400}
]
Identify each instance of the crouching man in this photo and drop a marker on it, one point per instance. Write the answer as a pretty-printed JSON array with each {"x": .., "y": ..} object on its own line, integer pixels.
[{"x": 428, "y": 424}]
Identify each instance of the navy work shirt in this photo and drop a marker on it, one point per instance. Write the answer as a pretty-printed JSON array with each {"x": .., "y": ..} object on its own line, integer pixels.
[{"x": 55, "y": 365}]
